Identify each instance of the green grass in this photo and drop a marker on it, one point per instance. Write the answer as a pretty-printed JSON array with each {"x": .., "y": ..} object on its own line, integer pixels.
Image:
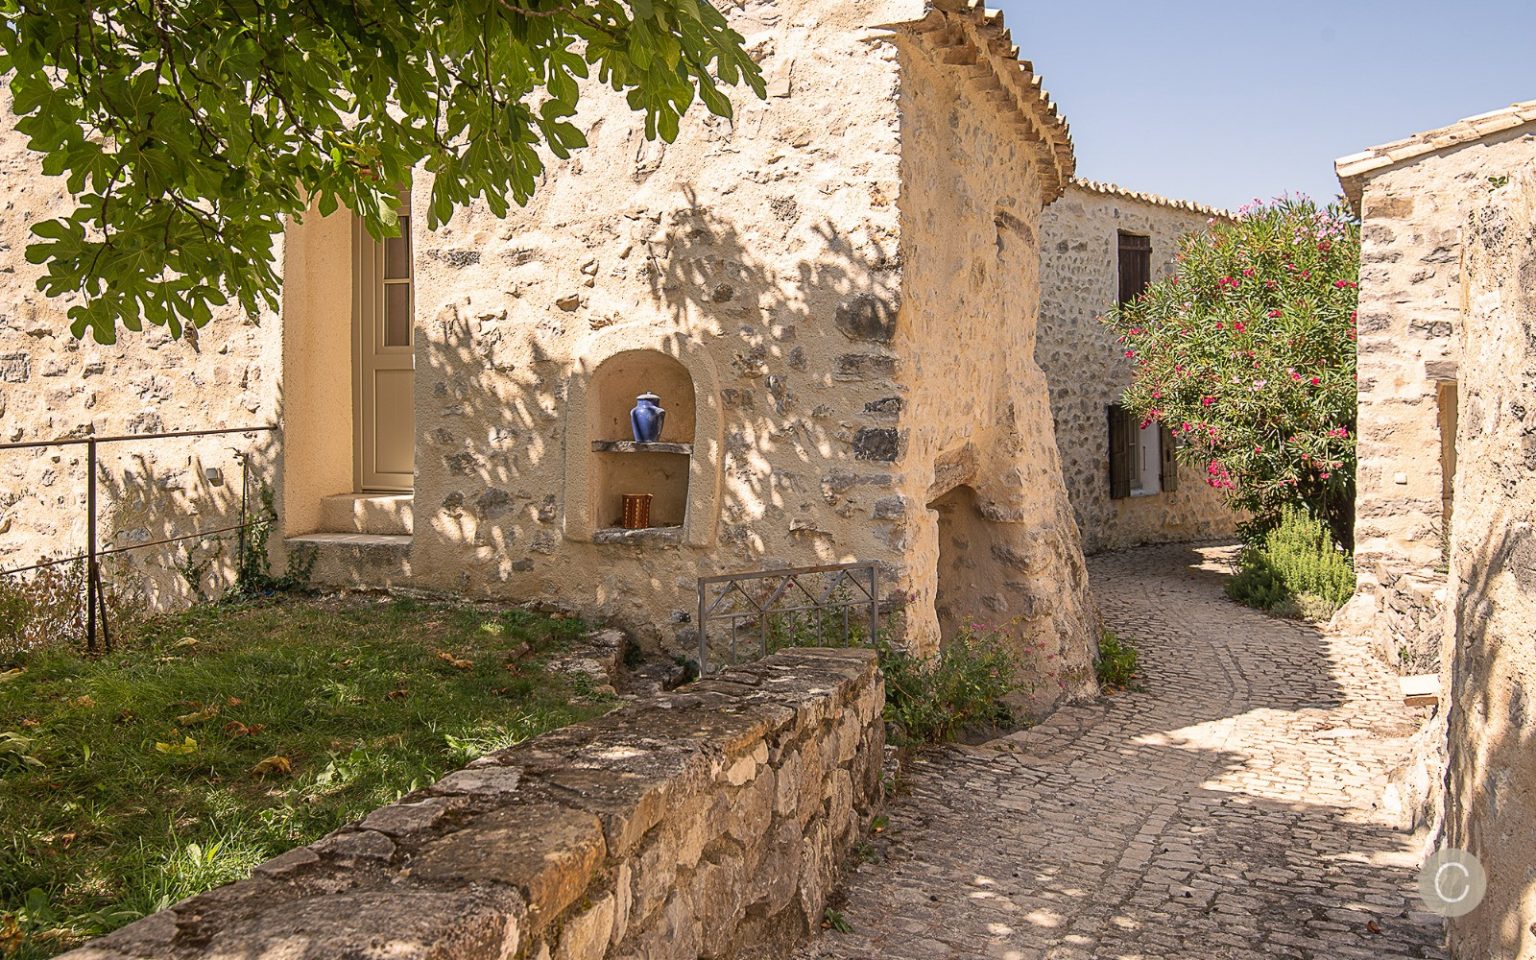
[{"x": 223, "y": 736}]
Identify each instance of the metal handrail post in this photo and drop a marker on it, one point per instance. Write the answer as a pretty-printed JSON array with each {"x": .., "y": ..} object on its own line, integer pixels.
[
  {"x": 90, "y": 546},
  {"x": 703, "y": 636},
  {"x": 874, "y": 604}
]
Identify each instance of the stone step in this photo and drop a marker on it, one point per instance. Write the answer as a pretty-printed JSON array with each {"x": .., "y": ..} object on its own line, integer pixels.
[
  {"x": 380, "y": 513},
  {"x": 361, "y": 561}
]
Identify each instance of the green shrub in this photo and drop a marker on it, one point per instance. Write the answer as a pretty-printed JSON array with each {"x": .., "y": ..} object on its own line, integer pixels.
[
  {"x": 964, "y": 688},
  {"x": 1295, "y": 570},
  {"x": 926, "y": 701},
  {"x": 1118, "y": 664}
]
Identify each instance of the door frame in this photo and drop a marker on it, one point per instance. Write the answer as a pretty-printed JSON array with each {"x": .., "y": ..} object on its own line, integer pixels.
[{"x": 368, "y": 308}]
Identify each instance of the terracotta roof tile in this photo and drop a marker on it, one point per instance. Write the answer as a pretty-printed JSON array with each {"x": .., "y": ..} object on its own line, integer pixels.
[{"x": 1115, "y": 190}]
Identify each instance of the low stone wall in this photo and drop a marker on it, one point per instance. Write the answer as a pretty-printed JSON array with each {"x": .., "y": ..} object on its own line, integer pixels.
[{"x": 707, "y": 822}]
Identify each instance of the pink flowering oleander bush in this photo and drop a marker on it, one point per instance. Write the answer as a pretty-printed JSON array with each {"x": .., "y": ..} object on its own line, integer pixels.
[{"x": 1247, "y": 354}]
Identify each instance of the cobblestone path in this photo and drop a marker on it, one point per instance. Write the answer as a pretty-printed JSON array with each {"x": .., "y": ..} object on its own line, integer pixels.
[{"x": 1229, "y": 811}]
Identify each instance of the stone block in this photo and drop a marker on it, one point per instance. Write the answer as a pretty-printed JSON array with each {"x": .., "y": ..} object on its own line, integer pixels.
[
  {"x": 654, "y": 873},
  {"x": 865, "y": 366},
  {"x": 623, "y": 900},
  {"x": 786, "y": 797},
  {"x": 717, "y": 892},
  {"x": 675, "y": 935},
  {"x": 818, "y": 869},
  {"x": 586, "y": 935},
  {"x": 752, "y": 809},
  {"x": 839, "y": 800},
  {"x": 867, "y": 316},
  {"x": 401, "y": 819},
  {"x": 772, "y": 885},
  {"x": 552, "y": 852},
  {"x": 881, "y": 444},
  {"x": 487, "y": 781}
]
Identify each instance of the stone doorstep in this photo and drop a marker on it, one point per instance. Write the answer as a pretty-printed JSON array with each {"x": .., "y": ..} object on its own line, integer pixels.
[
  {"x": 457, "y": 871},
  {"x": 376, "y": 513},
  {"x": 1420, "y": 690},
  {"x": 368, "y": 561}
]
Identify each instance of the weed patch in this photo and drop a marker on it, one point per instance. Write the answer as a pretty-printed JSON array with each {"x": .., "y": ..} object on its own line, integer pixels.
[
  {"x": 1118, "y": 666},
  {"x": 964, "y": 688}
]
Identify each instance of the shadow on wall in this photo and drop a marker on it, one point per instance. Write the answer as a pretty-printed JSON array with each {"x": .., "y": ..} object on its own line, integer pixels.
[
  {"x": 1491, "y": 779},
  {"x": 150, "y": 492},
  {"x": 154, "y": 491},
  {"x": 493, "y": 385},
  {"x": 800, "y": 337}
]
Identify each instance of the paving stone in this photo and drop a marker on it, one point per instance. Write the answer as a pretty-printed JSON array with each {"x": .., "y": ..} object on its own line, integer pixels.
[{"x": 1216, "y": 815}]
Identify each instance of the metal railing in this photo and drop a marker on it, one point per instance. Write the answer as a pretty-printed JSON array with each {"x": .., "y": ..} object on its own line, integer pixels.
[
  {"x": 95, "y": 600},
  {"x": 775, "y": 608}
]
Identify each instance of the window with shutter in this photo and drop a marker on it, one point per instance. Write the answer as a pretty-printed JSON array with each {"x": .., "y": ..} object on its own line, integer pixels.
[
  {"x": 1135, "y": 254},
  {"x": 1121, "y": 450},
  {"x": 1170, "y": 472}
]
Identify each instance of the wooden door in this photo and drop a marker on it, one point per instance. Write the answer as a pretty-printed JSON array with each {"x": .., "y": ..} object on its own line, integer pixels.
[{"x": 386, "y": 358}]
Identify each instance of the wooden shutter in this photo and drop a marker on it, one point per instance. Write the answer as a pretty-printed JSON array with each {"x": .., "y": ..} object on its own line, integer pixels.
[
  {"x": 1170, "y": 466},
  {"x": 1135, "y": 265},
  {"x": 1120, "y": 452}
]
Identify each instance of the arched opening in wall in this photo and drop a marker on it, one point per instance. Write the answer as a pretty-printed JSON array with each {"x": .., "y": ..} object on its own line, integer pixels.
[
  {"x": 623, "y": 465},
  {"x": 966, "y": 593}
]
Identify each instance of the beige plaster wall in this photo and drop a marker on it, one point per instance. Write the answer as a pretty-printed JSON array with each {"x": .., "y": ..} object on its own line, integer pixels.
[
  {"x": 52, "y": 385},
  {"x": 1087, "y": 369},
  {"x": 1410, "y": 298},
  {"x": 1491, "y": 787},
  {"x": 316, "y": 398}
]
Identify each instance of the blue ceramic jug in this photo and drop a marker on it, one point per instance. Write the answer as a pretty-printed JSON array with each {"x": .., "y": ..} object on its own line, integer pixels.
[{"x": 646, "y": 419}]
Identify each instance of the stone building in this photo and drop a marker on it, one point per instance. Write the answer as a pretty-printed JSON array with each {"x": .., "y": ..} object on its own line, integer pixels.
[
  {"x": 1101, "y": 244},
  {"x": 1413, "y": 196},
  {"x": 1491, "y": 676},
  {"x": 1446, "y": 528},
  {"x": 834, "y": 296}
]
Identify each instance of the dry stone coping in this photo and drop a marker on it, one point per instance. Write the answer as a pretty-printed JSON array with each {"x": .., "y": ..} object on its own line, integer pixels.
[
  {"x": 698, "y": 823},
  {"x": 1356, "y": 168}
]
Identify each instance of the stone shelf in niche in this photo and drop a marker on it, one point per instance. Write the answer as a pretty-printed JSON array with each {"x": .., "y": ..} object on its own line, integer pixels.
[
  {"x": 645, "y": 535},
  {"x": 632, "y": 446}
]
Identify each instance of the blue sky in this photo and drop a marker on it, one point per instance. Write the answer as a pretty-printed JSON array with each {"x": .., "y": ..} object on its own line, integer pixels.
[{"x": 1222, "y": 102}]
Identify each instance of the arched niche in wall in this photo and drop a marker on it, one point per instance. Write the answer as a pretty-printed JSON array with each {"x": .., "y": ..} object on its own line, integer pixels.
[{"x": 602, "y": 461}]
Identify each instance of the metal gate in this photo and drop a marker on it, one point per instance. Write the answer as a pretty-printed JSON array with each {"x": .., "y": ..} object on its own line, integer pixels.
[{"x": 743, "y": 616}]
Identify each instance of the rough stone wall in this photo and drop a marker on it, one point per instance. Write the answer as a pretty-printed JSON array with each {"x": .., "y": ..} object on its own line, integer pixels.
[
  {"x": 731, "y": 250},
  {"x": 1491, "y": 787},
  {"x": 709, "y": 822},
  {"x": 52, "y": 385},
  {"x": 1087, "y": 370},
  {"x": 850, "y": 283},
  {"x": 975, "y": 410},
  {"x": 1409, "y": 314}
]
